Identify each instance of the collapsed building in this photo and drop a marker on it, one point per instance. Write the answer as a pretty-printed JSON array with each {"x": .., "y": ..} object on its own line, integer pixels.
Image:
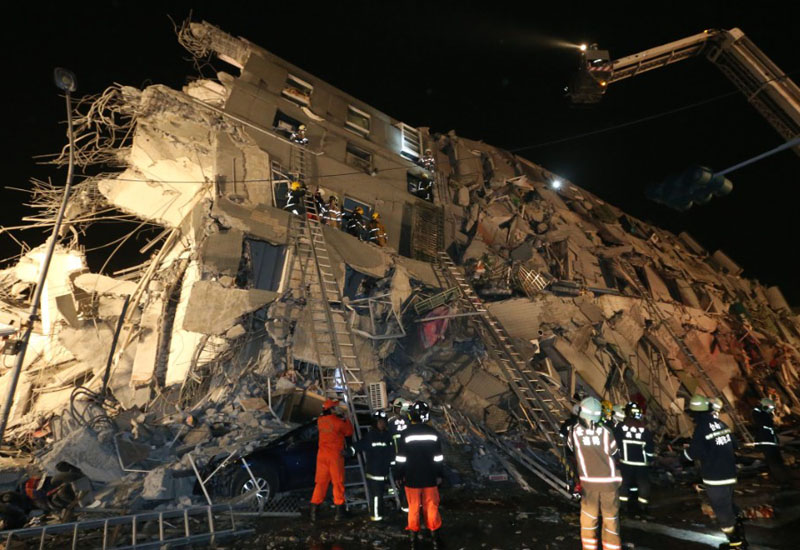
[{"x": 503, "y": 291}]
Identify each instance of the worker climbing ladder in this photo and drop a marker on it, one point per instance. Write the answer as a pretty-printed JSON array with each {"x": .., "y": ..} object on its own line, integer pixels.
[
  {"x": 543, "y": 406},
  {"x": 709, "y": 385},
  {"x": 313, "y": 275}
]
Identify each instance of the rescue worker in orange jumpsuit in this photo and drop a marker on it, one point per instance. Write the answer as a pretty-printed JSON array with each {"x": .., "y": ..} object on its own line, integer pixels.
[
  {"x": 419, "y": 463},
  {"x": 333, "y": 429}
]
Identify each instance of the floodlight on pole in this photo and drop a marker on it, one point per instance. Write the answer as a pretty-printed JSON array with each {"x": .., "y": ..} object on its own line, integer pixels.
[
  {"x": 65, "y": 80},
  {"x": 556, "y": 184}
]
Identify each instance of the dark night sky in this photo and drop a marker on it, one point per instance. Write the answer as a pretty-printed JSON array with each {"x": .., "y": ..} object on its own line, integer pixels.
[{"x": 491, "y": 71}]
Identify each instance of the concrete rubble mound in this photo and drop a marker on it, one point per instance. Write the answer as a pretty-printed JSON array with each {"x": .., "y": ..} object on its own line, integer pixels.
[{"x": 218, "y": 351}]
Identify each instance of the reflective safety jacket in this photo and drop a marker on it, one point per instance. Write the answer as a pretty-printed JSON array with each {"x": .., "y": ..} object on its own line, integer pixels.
[
  {"x": 397, "y": 424},
  {"x": 713, "y": 445},
  {"x": 635, "y": 443},
  {"x": 332, "y": 431},
  {"x": 764, "y": 425},
  {"x": 594, "y": 450},
  {"x": 378, "y": 449},
  {"x": 377, "y": 233},
  {"x": 419, "y": 458},
  {"x": 354, "y": 225},
  {"x": 294, "y": 201}
]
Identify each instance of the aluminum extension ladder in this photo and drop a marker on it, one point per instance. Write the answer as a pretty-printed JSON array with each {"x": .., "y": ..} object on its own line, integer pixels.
[
  {"x": 333, "y": 340},
  {"x": 144, "y": 531},
  {"x": 544, "y": 407},
  {"x": 738, "y": 422}
]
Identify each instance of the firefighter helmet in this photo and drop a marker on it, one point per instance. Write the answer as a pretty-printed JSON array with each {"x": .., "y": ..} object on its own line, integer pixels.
[
  {"x": 633, "y": 410},
  {"x": 358, "y": 210},
  {"x": 329, "y": 404},
  {"x": 618, "y": 412},
  {"x": 591, "y": 409},
  {"x": 715, "y": 404},
  {"x": 420, "y": 412},
  {"x": 400, "y": 404},
  {"x": 379, "y": 415},
  {"x": 767, "y": 404},
  {"x": 302, "y": 127},
  {"x": 699, "y": 403},
  {"x": 607, "y": 408},
  {"x": 295, "y": 185},
  {"x": 375, "y": 216}
]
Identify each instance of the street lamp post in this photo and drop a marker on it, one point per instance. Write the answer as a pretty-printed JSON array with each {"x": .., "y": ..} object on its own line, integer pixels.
[{"x": 66, "y": 81}]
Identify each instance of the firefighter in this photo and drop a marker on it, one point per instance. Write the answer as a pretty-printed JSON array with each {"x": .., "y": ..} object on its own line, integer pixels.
[
  {"x": 715, "y": 404},
  {"x": 766, "y": 440},
  {"x": 595, "y": 448},
  {"x": 378, "y": 450},
  {"x": 333, "y": 429},
  {"x": 319, "y": 204},
  {"x": 398, "y": 422},
  {"x": 428, "y": 161},
  {"x": 354, "y": 222},
  {"x": 419, "y": 463},
  {"x": 376, "y": 231},
  {"x": 299, "y": 136},
  {"x": 425, "y": 188},
  {"x": 333, "y": 214},
  {"x": 618, "y": 416},
  {"x": 608, "y": 413},
  {"x": 713, "y": 445},
  {"x": 635, "y": 442},
  {"x": 294, "y": 199}
]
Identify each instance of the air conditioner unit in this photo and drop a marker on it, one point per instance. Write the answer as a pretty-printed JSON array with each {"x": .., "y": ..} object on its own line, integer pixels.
[{"x": 378, "y": 400}]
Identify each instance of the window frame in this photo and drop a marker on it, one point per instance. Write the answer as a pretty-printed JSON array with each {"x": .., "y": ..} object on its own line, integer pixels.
[
  {"x": 351, "y": 150},
  {"x": 355, "y": 128},
  {"x": 406, "y": 152},
  {"x": 297, "y": 83}
]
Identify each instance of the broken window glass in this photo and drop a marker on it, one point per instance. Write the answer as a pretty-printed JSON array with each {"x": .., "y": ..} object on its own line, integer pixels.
[{"x": 357, "y": 121}]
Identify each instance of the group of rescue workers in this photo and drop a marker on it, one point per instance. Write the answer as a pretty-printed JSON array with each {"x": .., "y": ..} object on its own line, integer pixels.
[
  {"x": 328, "y": 212},
  {"x": 612, "y": 449},
  {"x": 402, "y": 453}
]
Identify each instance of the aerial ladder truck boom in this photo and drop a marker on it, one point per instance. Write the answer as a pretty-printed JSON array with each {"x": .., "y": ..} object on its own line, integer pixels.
[{"x": 765, "y": 86}]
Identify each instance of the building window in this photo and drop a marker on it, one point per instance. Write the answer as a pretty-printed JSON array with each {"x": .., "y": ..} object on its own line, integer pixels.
[
  {"x": 298, "y": 91},
  {"x": 420, "y": 186},
  {"x": 358, "y": 121},
  {"x": 350, "y": 204},
  {"x": 284, "y": 124},
  {"x": 358, "y": 158},
  {"x": 410, "y": 143}
]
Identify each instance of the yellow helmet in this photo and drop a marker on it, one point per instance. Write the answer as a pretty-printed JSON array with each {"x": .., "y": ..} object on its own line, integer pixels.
[
  {"x": 376, "y": 216},
  {"x": 301, "y": 127},
  {"x": 607, "y": 407},
  {"x": 359, "y": 211},
  {"x": 295, "y": 185}
]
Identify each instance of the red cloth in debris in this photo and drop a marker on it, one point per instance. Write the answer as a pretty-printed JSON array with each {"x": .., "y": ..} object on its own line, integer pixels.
[{"x": 431, "y": 332}]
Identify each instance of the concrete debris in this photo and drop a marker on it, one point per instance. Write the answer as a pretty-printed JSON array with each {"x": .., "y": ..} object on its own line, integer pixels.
[{"x": 224, "y": 345}]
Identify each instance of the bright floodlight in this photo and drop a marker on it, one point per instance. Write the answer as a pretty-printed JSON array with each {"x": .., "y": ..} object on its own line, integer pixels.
[
  {"x": 556, "y": 184},
  {"x": 583, "y": 47}
]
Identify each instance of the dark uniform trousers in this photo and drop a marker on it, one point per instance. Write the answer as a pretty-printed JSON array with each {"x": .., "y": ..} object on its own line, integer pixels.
[
  {"x": 376, "y": 488},
  {"x": 721, "y": 498},
  {"x": 635, "y": 484},
  {"x": 775, "y": 465}
]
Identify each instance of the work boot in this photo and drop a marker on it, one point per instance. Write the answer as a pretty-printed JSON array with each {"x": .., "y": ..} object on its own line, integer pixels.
[
  {"x": 312, "y": 512},
  {"x": 340, "y": 512},
  {"x": 437, "y": 542},
  {"x": 413, "y": 538}
]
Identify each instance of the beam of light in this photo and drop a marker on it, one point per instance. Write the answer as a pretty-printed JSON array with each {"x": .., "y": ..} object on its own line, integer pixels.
[{"x": 556, "y": 184}]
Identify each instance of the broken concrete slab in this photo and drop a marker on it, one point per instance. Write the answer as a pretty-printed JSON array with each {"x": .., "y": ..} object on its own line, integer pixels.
[
  {"x": 94, "y": 283},
  {"x": 87, "y": 450},
  {"x": 263, "y": 222},
  {"x": 221, "y": 252},
  {"x": 213, "y": 309}
]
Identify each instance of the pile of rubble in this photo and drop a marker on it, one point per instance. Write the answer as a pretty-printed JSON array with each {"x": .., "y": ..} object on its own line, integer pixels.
[{"x": 216, "y": 353}]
